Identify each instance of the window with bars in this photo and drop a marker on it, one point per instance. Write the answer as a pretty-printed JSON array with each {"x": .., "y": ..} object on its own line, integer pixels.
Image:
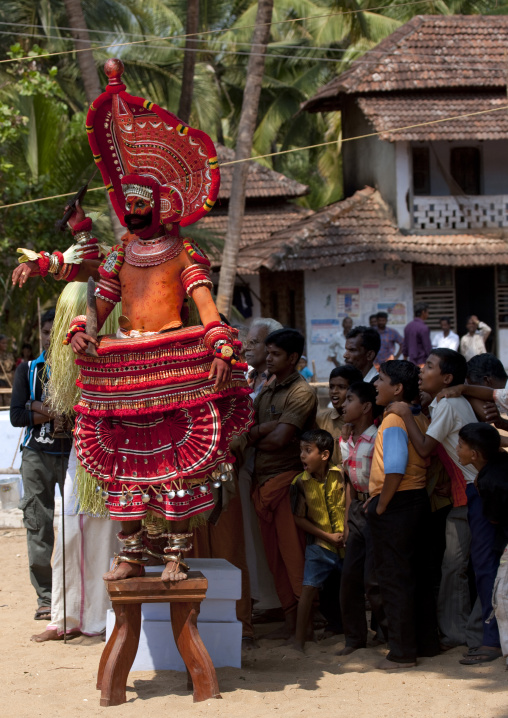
[
  {"x": 502, "y": 297},
  {"x": 435, "y": 286}
]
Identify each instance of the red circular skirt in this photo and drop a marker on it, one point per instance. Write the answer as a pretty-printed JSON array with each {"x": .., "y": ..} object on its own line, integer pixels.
[{"x": 149, "y": 415}]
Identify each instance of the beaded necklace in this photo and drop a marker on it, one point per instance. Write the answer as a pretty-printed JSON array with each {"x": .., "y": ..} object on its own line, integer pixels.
[{"x": 151, "y": 252}]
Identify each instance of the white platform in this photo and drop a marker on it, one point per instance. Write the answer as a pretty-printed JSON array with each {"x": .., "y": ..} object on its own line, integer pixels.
[{"x": 219, "y": 628}]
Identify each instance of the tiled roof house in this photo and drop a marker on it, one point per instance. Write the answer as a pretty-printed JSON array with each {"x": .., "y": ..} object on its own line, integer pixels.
[
  {"x": 426, "y": 209},
  {"x": 269, "y": 207}
]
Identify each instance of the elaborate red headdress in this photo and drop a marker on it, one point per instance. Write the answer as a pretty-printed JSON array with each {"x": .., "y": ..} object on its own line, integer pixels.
[{"x": 135, "y": 137}]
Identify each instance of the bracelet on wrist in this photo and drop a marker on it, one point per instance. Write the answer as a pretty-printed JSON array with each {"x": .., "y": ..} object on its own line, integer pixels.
[{"x": 225, "y": 351}]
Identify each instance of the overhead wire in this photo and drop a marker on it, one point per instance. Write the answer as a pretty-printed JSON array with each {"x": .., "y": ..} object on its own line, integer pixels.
[
  {"x": 296, "y": 149},
  {"x": 210, "y": 32},
  {"x": 313, "y": 58}
]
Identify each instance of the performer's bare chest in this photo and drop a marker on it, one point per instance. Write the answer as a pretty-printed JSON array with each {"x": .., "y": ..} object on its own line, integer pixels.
[{"x": 152, "y": 296}]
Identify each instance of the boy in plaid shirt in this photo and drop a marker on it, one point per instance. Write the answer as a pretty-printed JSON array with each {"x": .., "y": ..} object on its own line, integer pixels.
[{"x": 358, "y": 572}]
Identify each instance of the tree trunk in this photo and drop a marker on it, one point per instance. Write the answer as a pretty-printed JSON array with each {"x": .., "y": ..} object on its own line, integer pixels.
[
  {"x": 255, "y": 72},
  {"x": 189, "y": 61},
  {"x": 89, "y": 74}
]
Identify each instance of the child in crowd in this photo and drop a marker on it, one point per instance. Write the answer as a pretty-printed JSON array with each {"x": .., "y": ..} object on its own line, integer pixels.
[
  {"x": 479, "y": 445},
  {"x": 398, "y": 514},
  {"x": 447, "y": 368},
  {"x": 358, "y": 572},
  {"x": 304, "y": 369},
  {"x": 319, "y": 508},
  {"x": 330, "y": 419}
]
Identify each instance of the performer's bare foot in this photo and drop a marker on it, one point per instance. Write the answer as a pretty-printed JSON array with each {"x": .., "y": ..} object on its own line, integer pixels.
[
  {"x": 124, "y": 570},
  {"x": 173, "y": 572}
]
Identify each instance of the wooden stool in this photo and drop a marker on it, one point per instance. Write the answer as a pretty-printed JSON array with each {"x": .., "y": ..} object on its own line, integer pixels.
[{"x": 120, "y": 651}]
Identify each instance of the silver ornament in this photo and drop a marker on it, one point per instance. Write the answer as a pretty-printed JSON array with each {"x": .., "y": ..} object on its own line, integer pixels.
[
  {"x": 216, "y": 484},
  {"x": 171, "y": 494},
  {"x": 224, "y": 477},
  {"x": 104, "y": 494},
  {"x": 158, "y": 498},
  {"x": 203, "y": 489},
  {"x": 145, "y": 498},
  {"x": 181, "y": 493},
  {"x": 123, "y": 501}
]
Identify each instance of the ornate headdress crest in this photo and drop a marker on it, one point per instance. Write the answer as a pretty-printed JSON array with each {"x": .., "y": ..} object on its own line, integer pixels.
[{"x": 150, "y": 147}]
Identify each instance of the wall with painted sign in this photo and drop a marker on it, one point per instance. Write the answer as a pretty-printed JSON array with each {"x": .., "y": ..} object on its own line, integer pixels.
[{"x": 355, "y": 290}]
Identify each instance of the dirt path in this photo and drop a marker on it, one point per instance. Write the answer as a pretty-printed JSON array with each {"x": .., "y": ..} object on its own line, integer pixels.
[{"x": 56, "y": 680}]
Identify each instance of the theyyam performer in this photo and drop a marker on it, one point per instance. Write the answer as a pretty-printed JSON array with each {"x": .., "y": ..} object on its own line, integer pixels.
[{"x": 160, "y": 402}]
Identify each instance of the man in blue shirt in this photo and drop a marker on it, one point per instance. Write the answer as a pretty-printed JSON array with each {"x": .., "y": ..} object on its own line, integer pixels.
[{"x": 43, "y": 465}]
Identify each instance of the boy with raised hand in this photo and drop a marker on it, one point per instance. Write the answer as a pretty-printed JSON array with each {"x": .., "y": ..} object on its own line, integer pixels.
[
  {"x": 479, "y": 445},
  {"x": 358, "y": 572},
  {"x": 318, "y": 507},
  {"x": 447, "y": 368},
  {"x": 398, "y": 514},
  {"x": 330, "y": 419}
]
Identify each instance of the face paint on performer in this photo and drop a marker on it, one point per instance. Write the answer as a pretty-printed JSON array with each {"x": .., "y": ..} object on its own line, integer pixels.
[{"x": 140, "y": 212}]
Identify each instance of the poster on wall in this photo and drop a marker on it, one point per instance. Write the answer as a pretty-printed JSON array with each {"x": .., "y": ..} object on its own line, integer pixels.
[
  {"x": 348, "y": 302},
  {"x": 323, "y": 330},
  {"x": 397, "y": 312},
  {"x": 391, "y": 293},
  {"x": 370, "y": 291}
]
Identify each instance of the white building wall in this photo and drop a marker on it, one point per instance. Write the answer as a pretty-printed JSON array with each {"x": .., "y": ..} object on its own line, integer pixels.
[
  {"x": 502, "y": 347},
  {"x": 372, "y": 286}
]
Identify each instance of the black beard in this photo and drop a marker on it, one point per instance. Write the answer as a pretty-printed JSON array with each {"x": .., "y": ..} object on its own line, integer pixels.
[{"x": 136, "y": 222}]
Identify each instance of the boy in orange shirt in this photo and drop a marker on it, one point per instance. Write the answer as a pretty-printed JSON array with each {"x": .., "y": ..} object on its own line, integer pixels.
[{"x": 399, "y": 514}]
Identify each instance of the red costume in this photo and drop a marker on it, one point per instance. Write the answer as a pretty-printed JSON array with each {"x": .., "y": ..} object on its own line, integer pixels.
[{"x": 152, "y": 427}]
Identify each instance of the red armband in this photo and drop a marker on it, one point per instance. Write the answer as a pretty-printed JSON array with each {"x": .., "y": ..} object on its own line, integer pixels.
[
  {"x": 195, "y": 276},
  {"x": 215, "y": 332},
  {"x": 84, "y": 226},
  {"x": 44, "y": 263},
  {"x": 110, "y": 267},
  {"x": 109, "y": 289},
  {"x": 78, "y": 324}
]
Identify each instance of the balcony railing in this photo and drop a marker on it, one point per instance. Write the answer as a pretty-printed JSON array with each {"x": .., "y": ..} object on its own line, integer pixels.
[{"x": 472, "y": 212}]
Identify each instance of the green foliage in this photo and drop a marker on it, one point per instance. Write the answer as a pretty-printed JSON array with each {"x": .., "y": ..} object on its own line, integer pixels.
[{"x": 43, "y": 146}]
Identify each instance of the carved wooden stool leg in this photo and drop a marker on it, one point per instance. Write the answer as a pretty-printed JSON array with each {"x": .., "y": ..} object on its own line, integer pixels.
[
  {"x": 194, "y": 654},
  {"x": 119, "y": 654}
]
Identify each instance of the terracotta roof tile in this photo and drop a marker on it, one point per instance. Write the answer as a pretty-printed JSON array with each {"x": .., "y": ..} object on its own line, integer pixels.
[
  {"x": 400, "y": 110},
  {"x": 362, "y": 228},
  {"x": 261, "y": 180},
  {"x": 428, "y": 52},
  {"x": 258, "y": 224}
]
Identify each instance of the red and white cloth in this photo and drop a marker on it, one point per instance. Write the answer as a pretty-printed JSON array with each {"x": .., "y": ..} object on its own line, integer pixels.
[{"x": 357, "y": 458}]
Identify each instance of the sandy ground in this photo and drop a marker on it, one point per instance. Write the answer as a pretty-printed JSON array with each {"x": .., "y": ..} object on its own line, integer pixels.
[{"x": 54, "y": 679}]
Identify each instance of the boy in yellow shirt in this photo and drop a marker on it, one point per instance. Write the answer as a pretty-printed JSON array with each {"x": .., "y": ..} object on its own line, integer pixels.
[{"x": 319, "y": 510}]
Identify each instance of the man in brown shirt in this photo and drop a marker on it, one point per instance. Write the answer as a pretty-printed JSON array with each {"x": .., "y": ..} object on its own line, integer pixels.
[{"x": 284, "y": 410}]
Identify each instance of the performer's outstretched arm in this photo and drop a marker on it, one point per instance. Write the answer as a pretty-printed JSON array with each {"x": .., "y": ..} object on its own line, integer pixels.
[{"x": 76, "y": 264}]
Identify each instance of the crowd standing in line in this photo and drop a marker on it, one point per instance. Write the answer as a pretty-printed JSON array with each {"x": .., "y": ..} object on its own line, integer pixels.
[{"x": 392, "y": 498}]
